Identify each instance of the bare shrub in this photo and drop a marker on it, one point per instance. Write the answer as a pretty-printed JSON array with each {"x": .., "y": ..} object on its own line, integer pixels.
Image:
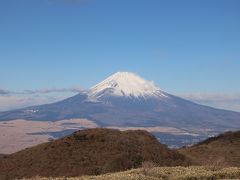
[
  {"x": 215, "y": 164},
  {"x": 147, "y": 166}
]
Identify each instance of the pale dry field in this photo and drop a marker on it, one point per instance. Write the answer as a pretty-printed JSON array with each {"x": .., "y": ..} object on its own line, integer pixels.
[
  {"x": 18, "y": 134},
  {"x": 160, "y": 129}
]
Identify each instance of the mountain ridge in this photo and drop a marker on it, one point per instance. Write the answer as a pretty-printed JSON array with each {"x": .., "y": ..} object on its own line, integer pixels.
[
  {"x": 119, "y": 109},
  {"x": 110, "y": 103}
]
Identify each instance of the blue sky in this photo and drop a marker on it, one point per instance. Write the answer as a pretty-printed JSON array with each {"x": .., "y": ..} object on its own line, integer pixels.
[{"x": 186, "y": 47}]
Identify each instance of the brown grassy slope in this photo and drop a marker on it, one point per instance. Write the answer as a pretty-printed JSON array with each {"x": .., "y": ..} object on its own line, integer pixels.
[
  {"x": 1, "y": 156},
  {"x": 223, "y": 150},
  {"x": 93, "y": 151}
]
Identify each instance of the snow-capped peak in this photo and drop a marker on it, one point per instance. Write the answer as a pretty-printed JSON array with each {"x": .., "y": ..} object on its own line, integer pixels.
[{"x": 125, "y": 84}]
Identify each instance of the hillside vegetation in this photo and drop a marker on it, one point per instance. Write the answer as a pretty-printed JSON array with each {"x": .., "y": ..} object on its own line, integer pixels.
[
  {"x": 163, "y": 173},
  {"x": 90, "y": 152},
  {"x": 102, "y": 152},
  {"x": 223, "y": 150},
  {"x": 1, "y": 156}
]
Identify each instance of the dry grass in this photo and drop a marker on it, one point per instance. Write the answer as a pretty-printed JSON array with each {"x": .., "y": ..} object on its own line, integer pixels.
[{"x": 158, "y": 173}]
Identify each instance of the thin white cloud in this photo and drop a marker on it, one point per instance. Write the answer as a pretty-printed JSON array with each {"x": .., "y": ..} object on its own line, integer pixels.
[
  {"x": 4, "y": 92},
  {"x": 230, "y": 101},
  {"x": 41, "y": 91},
  {"x": 212, "y": 96},
  {"x": 18, "y": 99},
  {"x": 11, "y": 100},
  {"x": 52, "y": 90}
]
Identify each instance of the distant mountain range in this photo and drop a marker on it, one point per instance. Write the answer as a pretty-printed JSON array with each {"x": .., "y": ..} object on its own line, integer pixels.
[{"x": 125, "y": 100}]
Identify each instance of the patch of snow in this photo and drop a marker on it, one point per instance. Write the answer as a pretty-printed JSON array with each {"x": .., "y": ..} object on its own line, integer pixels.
[
  {"x": 32, "y": 110},
  {"x": 125, "y": 84}
]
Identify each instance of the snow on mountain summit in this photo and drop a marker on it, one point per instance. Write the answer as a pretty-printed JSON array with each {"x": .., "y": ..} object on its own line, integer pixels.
[{"x": 125, "y": 84}]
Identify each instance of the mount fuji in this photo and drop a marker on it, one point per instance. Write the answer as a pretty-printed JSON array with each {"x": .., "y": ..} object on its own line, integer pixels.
[{"x": 127, "y": 101}]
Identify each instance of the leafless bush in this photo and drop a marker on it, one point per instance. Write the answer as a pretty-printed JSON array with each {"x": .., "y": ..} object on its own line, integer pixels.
[
  {"x": 216, "y": 163},
  {"x": 147, "y": 166}
]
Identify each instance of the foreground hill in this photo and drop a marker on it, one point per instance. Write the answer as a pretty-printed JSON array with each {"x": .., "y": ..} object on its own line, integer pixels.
[
  {"x": 93, "y": 151},
  {"x": 223, "y": 150}
]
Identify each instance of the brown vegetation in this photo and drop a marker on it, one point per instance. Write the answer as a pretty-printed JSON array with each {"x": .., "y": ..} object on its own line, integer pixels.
[
  {"x": 91, "y": 152},
  {"x": 1, "y": 156},
  {"x": 223, "y": 150}
]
